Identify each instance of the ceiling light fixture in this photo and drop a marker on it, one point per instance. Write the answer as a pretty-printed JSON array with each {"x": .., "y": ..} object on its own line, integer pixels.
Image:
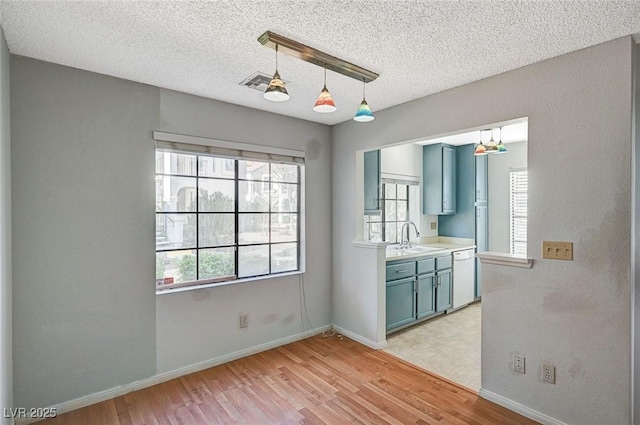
[
  {"x": 501, "y": 147},
  {"x": 316, "y": 57},
  {"x": 481, "y": 149},
  {"x": 325, "y": 103},
  {"x": 363, "y": 114},
  {"x": 492, "y": 146},
  {"x": 276, "y": 92}
]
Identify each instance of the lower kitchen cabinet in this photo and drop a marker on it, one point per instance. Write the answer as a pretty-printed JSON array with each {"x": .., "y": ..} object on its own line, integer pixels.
[
  {"x": 443, "y": 285},
  {"x": 425, "y": 297},
  {"x": 401, "y": 303},
  {"x": 417, "y": 289}
]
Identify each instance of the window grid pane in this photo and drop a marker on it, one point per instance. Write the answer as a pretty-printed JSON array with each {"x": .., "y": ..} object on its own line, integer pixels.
[
  {"x": 242, "y": 218},
  {"x": 395, "y": 212}
]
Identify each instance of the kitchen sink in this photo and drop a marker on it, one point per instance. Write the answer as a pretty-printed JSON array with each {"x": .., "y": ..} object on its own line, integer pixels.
[{"x": 415, "y": 249}]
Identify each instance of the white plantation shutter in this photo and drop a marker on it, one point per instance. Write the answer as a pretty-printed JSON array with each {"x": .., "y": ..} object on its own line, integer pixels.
[{"x": 518, "y": 214}]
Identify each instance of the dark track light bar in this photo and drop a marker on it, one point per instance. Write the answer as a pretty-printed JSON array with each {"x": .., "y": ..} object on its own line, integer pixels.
[{"x": 316, "y": 57}]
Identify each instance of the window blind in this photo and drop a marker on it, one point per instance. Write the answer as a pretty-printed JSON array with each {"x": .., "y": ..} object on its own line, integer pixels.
[
  {"x": 226, "y": 149},
  {"x": 518, "y": 212}
]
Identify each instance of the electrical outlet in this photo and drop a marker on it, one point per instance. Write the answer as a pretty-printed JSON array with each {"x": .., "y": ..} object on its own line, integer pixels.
[
  {"x": 434, "y": 225},
  {"x": 243, "y": 320},
  {"x": 518, "y": 363},
  {"x": 548, "y": 373}
]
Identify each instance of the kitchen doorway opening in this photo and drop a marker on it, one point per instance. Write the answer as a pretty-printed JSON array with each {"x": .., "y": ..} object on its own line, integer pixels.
[{"x": 449, "y": 345}]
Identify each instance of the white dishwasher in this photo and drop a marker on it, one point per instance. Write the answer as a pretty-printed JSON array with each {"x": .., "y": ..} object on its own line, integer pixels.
[{"x": 464, "y": 275}]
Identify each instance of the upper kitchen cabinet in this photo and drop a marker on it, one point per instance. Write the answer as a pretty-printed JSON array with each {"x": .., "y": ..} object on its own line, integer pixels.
[
  {"x": 439, "y": 179},
  {"x": 482, "y": 179},
  {"x": 372, "y": 182}
]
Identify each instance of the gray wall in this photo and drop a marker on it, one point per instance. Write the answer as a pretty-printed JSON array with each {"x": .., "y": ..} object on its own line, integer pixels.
[
  {"x": 86, "y": 316},
  {"x": 575, "y": 314},
  {"x": 83, "y": 251},
  {"x": 199, "y": 325},
  {"x": 636, "y": 241},
  {"x": 6, "y": 369}
]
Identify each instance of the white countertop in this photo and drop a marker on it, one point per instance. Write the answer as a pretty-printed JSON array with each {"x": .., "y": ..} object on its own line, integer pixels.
[{"x": 444, "y": 245}]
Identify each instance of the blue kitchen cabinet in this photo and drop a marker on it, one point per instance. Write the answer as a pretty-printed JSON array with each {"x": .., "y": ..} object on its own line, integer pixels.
[
  {"x": 448, "y": 179},
  {"x": 372, "y": 182},
  {"x": 482, "y": 179},
  {"x": 425, "y": 296},
  {"x": 482, "y": 215},
  {"x": 439, "y": 179},
  {"x": 417, "y": 289},
  {"x": 401, "y": 302},
  {"x": 462, "y": 223},
  {"x": 443, "y": 290},
  {"x": 482, "y": 222}
]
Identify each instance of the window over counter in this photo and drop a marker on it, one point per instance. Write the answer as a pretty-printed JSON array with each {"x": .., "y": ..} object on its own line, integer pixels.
[
  {"x": 399, "y": 204},
  {"x": 224, "y": 214},
  {"x": 518, "y": 187}
]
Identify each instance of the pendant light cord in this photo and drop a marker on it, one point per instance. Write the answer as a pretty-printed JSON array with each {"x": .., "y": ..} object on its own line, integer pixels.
[
  {"x": 276, "y": 58},
  {"x": 325, "y": 75}
]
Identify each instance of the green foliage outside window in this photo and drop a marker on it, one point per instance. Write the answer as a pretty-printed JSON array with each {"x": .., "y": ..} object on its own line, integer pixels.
[
  {"x": 212, "y": 264},
  {"x": 160, "y": 267}
]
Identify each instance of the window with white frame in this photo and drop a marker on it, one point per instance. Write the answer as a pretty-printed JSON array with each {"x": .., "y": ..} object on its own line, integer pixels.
[
  {"x": 396, "y": 202},
  {"x": 220, "y": 219},
  {"x": 518, "y": 212}
]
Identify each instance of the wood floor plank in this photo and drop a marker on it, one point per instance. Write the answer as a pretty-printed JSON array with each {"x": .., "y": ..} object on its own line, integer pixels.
[
  {"x": 122, "y": 410},
  {"x": 315, "y": 381},
  {"x": 214, "y": 413}
]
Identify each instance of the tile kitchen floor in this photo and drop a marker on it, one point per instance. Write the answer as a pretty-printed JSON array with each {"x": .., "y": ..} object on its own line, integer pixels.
[{"x": 448, "y": 345}]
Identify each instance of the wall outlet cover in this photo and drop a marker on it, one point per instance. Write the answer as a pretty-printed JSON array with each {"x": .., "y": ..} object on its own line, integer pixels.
[
  {"x": 518, "y": 363},
  {"x": 243, "y": 320},
  {"x": 548, "y": 373}
]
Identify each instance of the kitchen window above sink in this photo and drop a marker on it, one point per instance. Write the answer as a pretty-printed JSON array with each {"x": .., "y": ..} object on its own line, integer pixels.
[{"x": 399, "y": 204}]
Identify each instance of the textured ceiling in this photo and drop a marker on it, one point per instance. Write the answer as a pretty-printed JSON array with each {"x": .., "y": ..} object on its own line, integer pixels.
[{"x": 208, "y": 47}]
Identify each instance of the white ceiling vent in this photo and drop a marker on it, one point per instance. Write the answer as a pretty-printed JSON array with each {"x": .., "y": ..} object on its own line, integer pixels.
[{"x": 257, "y": 81}]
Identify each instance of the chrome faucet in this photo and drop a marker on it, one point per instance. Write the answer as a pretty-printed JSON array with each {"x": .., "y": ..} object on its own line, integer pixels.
[{"x": 407, "y": 244}]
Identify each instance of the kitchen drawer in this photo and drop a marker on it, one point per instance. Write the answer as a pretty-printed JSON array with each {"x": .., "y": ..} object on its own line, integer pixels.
[
  {"x": 443, "y": 262},
  {"x": 426, "y": 266},
  {"x": 402, "y": 270}
]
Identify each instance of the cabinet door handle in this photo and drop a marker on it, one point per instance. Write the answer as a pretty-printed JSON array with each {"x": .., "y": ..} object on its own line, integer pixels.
[{"x": 401, "y": 271}]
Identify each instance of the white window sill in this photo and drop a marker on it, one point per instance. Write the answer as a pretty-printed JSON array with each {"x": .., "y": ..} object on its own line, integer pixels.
[
  {"x": 227, "y": 282},
  {"x": 370, "y": 244},
  {"x": 502, "y": 259}
]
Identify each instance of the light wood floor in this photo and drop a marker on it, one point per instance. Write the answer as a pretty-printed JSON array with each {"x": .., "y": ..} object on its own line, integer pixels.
[{"x": 315, "y": 381}]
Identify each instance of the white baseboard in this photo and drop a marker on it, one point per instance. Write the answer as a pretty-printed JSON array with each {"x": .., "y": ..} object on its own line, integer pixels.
[
  {"x": 361, "y": 340},
  {"x": 98, "y": 397},
  {"x": 519, "y": 408}
]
